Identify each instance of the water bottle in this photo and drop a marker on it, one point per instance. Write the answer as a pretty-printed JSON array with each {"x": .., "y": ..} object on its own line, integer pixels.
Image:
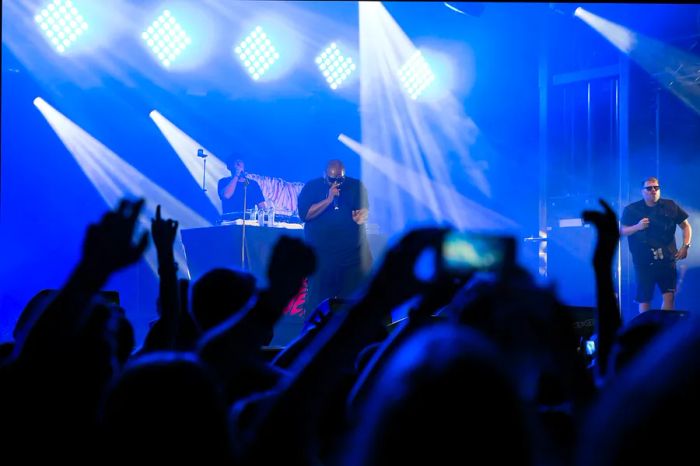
[
  {"x": 255, "y": 214},
  {"x": 271, "y": 216}
]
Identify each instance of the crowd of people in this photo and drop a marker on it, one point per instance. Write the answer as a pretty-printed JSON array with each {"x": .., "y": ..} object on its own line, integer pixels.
[{"x": 486, "y": 368}]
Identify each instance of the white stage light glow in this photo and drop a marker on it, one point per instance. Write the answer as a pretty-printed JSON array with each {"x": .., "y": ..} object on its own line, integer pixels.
[
  {"x": 410, "y": 152},
  {"x": 416, "y": 75},
  {"x": 675, "y": 69},
  {"x": 334, "y": 66},
  {"x": 619, "y": 36},
  {"x": 166, "y": 38},
  {"x": 257, "y": 53},
  {"x": 115, "y": 179},
  {"x": 186, "y": 148},
  {"x": 62, "y": 23}
]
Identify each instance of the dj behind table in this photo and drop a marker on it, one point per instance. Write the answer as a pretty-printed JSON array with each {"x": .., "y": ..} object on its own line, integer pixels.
[{"x": 226, "y": 246}]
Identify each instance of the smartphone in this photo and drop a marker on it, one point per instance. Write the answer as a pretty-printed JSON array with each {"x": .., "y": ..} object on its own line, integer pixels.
[
  {"x": 466, "y": 252},
  {"x": 590, "y": 347}
]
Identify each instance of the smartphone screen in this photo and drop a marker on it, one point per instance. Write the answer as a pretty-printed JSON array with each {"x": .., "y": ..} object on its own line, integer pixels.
[{"x": 464, "y": 252}]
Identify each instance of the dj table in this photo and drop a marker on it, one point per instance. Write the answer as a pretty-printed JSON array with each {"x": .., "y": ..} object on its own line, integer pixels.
[{"x": 220, "y": 246}]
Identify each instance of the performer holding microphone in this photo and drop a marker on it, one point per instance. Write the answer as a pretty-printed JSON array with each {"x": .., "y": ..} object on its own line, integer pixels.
[
  {"x": 232, "y": 192},
  {"x": 650, "y": 225},
  {"x": 335, "y": 209}
]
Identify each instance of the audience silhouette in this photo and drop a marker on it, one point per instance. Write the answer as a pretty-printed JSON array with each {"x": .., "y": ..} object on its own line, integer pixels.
[{"x": 485, "y": 369}]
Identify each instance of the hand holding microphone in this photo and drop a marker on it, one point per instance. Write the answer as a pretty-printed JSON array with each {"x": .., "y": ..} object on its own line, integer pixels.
[
  {"x": 334, "y": 193},
  {"x": 643, "y": 224},
  {"x": 241, "y": 175}
]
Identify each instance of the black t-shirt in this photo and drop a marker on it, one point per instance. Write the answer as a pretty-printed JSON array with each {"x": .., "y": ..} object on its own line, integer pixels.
[
  {"x": 334, "y": 234},
  {"x": 254, "y": 196},
  {"x": 658, "y": 241}
]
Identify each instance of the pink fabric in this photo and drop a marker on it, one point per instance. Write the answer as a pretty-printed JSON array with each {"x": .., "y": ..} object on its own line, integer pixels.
[
  {"x": 282, "y": 194},
  {"x": 296, "y": 305}
]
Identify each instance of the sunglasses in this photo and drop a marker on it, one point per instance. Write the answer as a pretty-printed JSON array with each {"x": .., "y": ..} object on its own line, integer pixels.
[
  {"x": 652, "y": 188},
  {"x": 337, "y": 179}
]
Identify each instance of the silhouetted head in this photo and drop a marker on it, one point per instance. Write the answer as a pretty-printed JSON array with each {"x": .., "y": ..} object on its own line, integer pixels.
[
  {"x": 644, "y": 416},
  {"x": 634, "y": 337},
  {"x": 533, "y": 329},
  {"x": 104, "y": 342},
  {"x": 218, "y": 294},
  {"x": 442, "y": 398},
  {"x": 165, "y": 407},
  {"x": 123, "y": 333}
]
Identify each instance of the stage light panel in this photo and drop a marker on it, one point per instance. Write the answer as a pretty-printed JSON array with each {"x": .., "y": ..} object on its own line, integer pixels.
[
  {"x": 334, "y": 66},
  {"x": 257, "y": 53},
  {"x": 166, "y": 38},
  {"x": 62, "y": 23},
  {"x": 416, "y": 75}
]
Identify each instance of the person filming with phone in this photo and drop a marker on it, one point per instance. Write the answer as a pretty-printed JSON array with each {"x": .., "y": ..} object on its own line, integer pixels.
[
  {"x": 650, "y": 225},
  {"x": 334, "y": 209}
]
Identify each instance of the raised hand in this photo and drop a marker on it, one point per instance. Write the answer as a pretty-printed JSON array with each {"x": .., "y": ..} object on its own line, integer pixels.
[
  {"x": 608, "y": 319},
  {"x": 108, "y": 244},
  {"x": 163, "y": 232},
  {"x": 608, "y": 233},
  {"x": 643, "y": 224},
  {"x": 334, "y": 191},
  {"x": 395, "y": 279}
]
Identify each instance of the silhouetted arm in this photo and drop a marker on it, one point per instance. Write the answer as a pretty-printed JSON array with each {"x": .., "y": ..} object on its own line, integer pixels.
[
  {"x": 107, "y": 247},
  {"x": 162, "y": 334},
  {"x": 238, "y": 339},
  {"x": 438, "y": 294},
  {"x": 290, "y": 420},
  {"x": 187, "y": 332},
  {"x": 608, "y": 319}
]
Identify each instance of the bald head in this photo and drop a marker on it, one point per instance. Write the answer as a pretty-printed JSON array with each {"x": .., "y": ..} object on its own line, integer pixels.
[{"x": 335, "y": 169}]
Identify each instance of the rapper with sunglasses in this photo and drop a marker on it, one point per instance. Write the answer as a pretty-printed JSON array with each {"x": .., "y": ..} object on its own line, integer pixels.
[
  {"x": 334, "y": 209},
  {"x": 650, "y": 225}
]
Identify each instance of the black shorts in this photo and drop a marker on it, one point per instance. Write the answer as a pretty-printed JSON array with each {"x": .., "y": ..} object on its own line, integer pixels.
[{"x": 662, "y": 274}]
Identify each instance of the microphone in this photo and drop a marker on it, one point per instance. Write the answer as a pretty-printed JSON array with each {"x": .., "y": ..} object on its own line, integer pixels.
[
  {"x": 338, "y": 184},
  {"x": 243, "y": 178}
]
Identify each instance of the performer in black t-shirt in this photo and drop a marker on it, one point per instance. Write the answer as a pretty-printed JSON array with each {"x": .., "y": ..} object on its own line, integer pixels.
[
  {"x": 651, "y": 227},
  {"x": 232, "y": 189},
  {"x": 335, "y": 209}
]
